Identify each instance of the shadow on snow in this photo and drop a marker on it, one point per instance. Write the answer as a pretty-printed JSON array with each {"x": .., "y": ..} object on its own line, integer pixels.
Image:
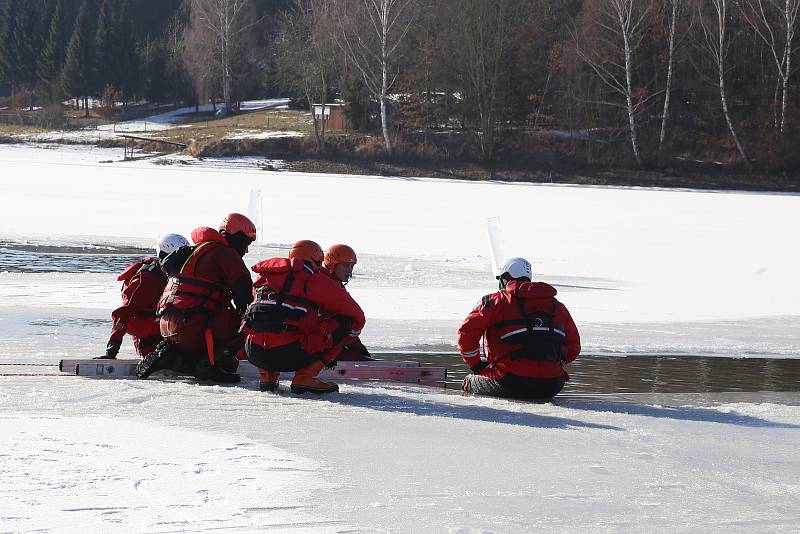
[{"x": 683, "y": 413}]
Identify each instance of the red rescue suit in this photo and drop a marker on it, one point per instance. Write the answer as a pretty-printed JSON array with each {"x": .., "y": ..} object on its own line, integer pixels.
[
  {"x": 354, "y": 350},
  {"x": 142, "y": 285},
  {"x": 198, "y": 299},
  {"x": 291, "y": 305},
  {"x": 501, "y": 317}
]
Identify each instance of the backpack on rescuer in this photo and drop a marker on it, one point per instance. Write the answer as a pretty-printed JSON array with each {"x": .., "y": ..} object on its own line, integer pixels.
[
  {"x": 277, "y": 312},
  {"x": 175, "y": 260},
  {"x": 185, "y": 290},
  {"x": 539, "y": 337}
]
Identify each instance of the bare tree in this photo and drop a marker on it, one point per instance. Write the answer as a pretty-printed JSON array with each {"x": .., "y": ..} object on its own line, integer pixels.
[
  {"x": 198, "y": 58},
  {"x": 483, "y": 31},
  {"x": 370, "y": 34},
  {"x": 676, "y": 10},
  {"x": 222, "y": 25},
  {"x": 305, "y": 56},
  {"x": 775, "y": 23},
  {"x": 620, "y": 26},
  {"x": 715, "y": 42}
]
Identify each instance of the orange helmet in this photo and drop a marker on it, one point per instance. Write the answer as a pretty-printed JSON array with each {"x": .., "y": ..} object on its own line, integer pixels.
[
  {"x": 339, "y": 254},
  {"x": 236, "y": 222},
  {"x": 307, "y": 251}
]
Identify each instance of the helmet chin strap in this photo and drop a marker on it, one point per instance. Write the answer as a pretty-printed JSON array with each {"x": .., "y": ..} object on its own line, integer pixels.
[{"x": 503, "y": 283}]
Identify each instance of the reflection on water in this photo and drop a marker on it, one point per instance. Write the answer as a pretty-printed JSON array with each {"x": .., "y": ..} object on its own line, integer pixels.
[
  {"x": 682, "y": 374},
  {"x": 652, "y": 374}
]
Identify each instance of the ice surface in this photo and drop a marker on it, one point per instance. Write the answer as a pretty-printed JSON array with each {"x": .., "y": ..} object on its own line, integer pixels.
[
  {"x": 642, "y": 270},
  {"x": 631, "y": 264},
  {"x": 178, "y": 457}
]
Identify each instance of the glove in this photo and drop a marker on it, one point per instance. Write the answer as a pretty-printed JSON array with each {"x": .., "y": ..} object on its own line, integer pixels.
[
  {"x": 112, "y": 349},
  {"x": 357, "y": 347},
  {"x": 476, "y": 370}
]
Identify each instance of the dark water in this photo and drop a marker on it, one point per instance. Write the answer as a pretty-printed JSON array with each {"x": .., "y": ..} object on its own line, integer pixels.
[
  {"x": 31, "y": 257},
  {"x": 653, "y": 374}
]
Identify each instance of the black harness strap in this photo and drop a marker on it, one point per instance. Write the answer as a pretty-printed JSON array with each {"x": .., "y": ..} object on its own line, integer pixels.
[
  {"x": 287, "y": 285},
  {"x": 533, "y": 346},
  {"x": 277, "y": 311}
]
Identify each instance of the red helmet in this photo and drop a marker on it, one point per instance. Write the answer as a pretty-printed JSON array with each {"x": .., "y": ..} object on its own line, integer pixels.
[
  {"x": 236, "y": 222},
  {"x": 340, "y": 254},
  {"x": 307, "y": 251}
]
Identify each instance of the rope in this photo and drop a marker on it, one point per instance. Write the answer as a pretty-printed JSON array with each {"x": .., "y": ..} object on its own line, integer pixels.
[
  {"x": 30, "y": 364},
  {"x": 36, "y": 374}
]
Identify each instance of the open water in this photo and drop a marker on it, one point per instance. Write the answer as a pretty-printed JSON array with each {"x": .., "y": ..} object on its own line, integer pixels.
[{"x": 653, "y": 373}]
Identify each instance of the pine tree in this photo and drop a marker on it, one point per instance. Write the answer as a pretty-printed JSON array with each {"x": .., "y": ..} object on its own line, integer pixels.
[
  {"x": 26, "y": 44},
  {"x": 155, "y": 60},
  {"x": 126, "y": 66},
  {"x": 7, "y": 52},
  {"x": 103, "y": 54},
  {"x": 75, "y": 77},
  {"x": 51, "y": 60}
]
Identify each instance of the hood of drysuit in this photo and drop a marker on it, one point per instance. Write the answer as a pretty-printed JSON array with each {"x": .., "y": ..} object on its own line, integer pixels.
[
  {"x": 133, "y": 268},
  {"x": 278, "y": 265},
  {"x": 204, "y": 234},
  {"x": 530, "y": 290}
]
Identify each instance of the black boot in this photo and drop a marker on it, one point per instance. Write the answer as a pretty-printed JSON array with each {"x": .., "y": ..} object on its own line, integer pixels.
[
  {"x": 225, "y": 360},
  {"x": 161, "y": 358},
  {"x": 205, "y": 371}
]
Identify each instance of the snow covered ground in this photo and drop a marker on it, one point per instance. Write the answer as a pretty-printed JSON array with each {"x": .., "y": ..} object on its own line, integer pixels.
[{"x": 642, "y": 270}]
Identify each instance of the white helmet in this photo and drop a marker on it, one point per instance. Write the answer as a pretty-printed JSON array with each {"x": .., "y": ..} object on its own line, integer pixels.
[
  {"x": 169, "y": 242},
  {"x": 516, "y": 268}
]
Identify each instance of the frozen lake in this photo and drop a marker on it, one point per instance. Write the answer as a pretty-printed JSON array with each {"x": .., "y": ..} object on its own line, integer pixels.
[{"x": 694, "y": 277}]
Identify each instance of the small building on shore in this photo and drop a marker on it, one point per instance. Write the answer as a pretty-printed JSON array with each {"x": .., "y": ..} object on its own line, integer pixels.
[{"x": 332, "y": 115}]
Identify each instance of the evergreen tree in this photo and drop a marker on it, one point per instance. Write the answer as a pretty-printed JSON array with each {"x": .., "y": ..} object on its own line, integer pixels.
[
  {"x": 25, "y": 39},
  {"x": 75, "y": 77},
  {"x": 7, "y": 52},
  {"x": 155, "y": 71},
  {"x": 125, "y": 64},
  {"x": 51, "y": 60},
  {"x": 103, "y": 51}
]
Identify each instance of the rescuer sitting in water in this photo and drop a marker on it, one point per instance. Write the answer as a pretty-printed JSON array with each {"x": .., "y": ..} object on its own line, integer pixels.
[
  {"x": 529, "y": 336},
  {"x": 203, "y": 303},
  {"x": 338, "y": 264},
  {"x": 285, "y": 327},
  {"x": 143, "y": 282}
]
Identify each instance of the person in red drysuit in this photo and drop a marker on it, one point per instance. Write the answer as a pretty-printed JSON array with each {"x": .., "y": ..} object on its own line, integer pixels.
[
  {"x": 529, "y": 336},
  {"x": 285, "y": 325},
  {"x": 142, "y": 284},
  {"x": 202, "y": 305},
  {"x": 338, "y": 265}
]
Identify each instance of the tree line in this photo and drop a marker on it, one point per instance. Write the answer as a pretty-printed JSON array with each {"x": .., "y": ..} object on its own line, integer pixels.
[{"x": 640, "y": 82}]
